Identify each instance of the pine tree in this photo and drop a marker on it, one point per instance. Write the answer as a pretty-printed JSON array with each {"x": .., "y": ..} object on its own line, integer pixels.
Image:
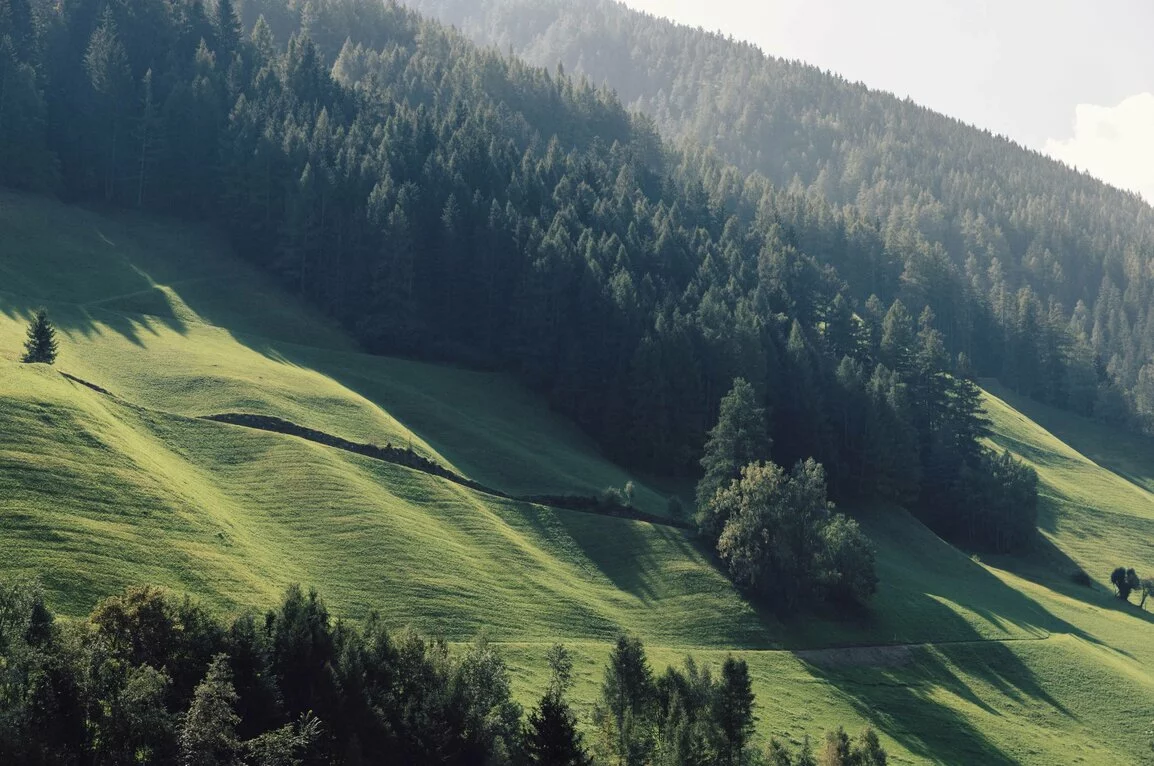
[
  {"x": 868, "y": 751},
  {"x": 148, "y": 136},
  {"x": 227, "y": 26},
  {"x": 41, "y": 345},
  {"x": 624, "y": 713},
  {"x": 106, "y": 63}
]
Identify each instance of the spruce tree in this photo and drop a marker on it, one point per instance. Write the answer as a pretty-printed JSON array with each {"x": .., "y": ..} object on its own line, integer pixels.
[
  {"x": 208, "y": 736},
  {"x": 551, "y": 737},
  {"x": 624, "y": 714},
  {"x": 732, "y": 710},
  {"x": 41, "y": 345},
  {"x": 740, "y": 437}
]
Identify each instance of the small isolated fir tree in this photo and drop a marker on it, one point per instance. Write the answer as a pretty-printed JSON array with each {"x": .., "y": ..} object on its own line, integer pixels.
[{"x": 41, "y": 344}]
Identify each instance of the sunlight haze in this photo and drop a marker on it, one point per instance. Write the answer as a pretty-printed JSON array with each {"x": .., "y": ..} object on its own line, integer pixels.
[{"x": 1072, "y": 79}]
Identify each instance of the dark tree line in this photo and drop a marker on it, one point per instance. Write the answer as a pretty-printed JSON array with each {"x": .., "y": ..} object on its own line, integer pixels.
[
  {"x": 1038, "y": 272},
  {"x": 448, "y": 202},
  {"x": 151, "y": 679}
]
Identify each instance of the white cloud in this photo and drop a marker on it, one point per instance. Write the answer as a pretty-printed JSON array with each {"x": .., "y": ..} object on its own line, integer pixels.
[{"x": 1115, "y": 144}]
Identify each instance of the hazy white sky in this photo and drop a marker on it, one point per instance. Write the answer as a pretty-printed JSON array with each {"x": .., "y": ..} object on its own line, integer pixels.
[{"x": 1073, "y": 78}]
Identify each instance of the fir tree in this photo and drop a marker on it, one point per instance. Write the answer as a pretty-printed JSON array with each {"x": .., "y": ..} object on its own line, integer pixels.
[
  {"x": 739, "y": 438},
  {"x": 733, "y": 711},
  {"x": 551, "y": 737},
  {"x": 208, "y": 736},
  {"x": 41, "y": 345}
]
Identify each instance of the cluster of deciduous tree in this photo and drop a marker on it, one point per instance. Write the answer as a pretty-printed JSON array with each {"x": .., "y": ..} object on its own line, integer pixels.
[
  {"x": 1040, "y": 273},
  {"x": 445, "y": 201},
  {"x": 149, "y": 679},
  {"x": 1127, "y": 581},
  {"x": 777, "y": 533}
]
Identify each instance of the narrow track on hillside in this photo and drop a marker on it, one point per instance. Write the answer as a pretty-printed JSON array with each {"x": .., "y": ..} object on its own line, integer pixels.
[
  {"x": 865, "y": 655},
  {"x": 887, "y": 655},
  {"x": 407, "y": 458}
]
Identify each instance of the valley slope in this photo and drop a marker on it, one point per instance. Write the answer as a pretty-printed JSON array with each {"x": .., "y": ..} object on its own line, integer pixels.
[{"x": 957, "y": 660}]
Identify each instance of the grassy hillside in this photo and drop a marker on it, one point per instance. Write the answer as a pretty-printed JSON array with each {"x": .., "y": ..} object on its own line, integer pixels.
[{"x": 957, "y": 661}]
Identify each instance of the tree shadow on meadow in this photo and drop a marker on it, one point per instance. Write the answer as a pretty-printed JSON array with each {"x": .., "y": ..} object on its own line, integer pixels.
[
  {"x": 1126, "y": 454},
  {"x": 79, "y": 322},
  {"x": 899, "y": 688},
  {"x": 934, "y": 651}
]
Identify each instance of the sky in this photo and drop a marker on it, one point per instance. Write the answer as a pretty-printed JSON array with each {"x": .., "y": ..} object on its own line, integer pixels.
[{"x": 1071, "y": 78}]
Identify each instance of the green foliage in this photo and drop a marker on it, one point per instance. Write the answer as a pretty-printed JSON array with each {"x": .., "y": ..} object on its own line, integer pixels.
[
  {"x": 782, "y": 541},
  {"x": 777, "y": 754},
  {"x": 521, "y": 220},
  {"x": 847, "y": 564},
  {"x": 552, "y": 737},
  {"x": 740, "y": 437},
  {"x": 97, "y": 694},
  {"x": 624, "y": 713},
  {"x": 1147, "y": 588},
  {"x": 836, "y": 750},
  {"x": 1015, "y": 253},
  {"x": 208, "y": 732},
  {"x": 732, "y": 712},
  {"x": 1125, "y": 582},
  {"x": 41, "y": 345}
]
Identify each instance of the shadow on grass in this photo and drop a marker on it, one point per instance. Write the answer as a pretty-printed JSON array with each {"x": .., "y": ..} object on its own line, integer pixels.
[
  {"x": 941, "y": 623},
  {"x": 1050, "y": 567},
  {"x": 898, "y": 688},
  {"x": 1116, "y": 450},
  {"x": 90, "y": 322}
]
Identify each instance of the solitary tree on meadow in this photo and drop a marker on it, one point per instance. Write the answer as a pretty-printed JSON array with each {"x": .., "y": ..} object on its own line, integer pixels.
[
  {"x": 1125, "y": 581},
  {"x": 41, "y": 345}
]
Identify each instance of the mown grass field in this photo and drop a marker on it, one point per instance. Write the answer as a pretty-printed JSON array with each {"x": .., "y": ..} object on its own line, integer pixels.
[{"x": 958, "y": 660}]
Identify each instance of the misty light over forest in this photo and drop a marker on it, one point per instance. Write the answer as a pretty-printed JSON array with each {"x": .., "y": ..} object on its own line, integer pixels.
[{"x": 1064, "y": 78}]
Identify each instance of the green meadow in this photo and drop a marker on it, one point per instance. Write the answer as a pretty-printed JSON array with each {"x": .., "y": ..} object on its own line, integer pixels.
[{"x": 958, "y": 659}]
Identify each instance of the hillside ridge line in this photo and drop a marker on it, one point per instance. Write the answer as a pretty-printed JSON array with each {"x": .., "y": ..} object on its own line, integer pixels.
[{"x": 407, "y": 458}]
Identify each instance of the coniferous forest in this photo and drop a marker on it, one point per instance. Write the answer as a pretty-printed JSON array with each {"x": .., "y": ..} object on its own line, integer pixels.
[
  {"x": 756, "y": 283},
  {"x": 1039, "y": 273},
  {"x": 446, "y": 202}
]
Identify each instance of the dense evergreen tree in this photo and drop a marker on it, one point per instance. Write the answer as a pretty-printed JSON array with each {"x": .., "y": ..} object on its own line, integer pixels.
[
  {"x": 208, "y": 732},
  {"x": 733, "y": 712},
  {"x": 85, "y": 692},
  {"x": 740, "y": 437},
  {"x": 552, "y": 738},
  {"x": 41, "y": 344},
  {"x": 625, "y": 712},
  {"x": 1039, "y": 272}
]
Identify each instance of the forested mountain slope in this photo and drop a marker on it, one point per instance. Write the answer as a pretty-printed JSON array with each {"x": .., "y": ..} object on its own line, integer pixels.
[
  {"x": 1008, "y": 663},
  {"x": 274, "y": 202},
  {"x": 1040, "y": 272},
  {"x": 440, "y": 201}
]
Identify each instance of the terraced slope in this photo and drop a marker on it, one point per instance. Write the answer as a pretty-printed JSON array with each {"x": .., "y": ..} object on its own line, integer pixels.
[{"x": 957, "y": 661}]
